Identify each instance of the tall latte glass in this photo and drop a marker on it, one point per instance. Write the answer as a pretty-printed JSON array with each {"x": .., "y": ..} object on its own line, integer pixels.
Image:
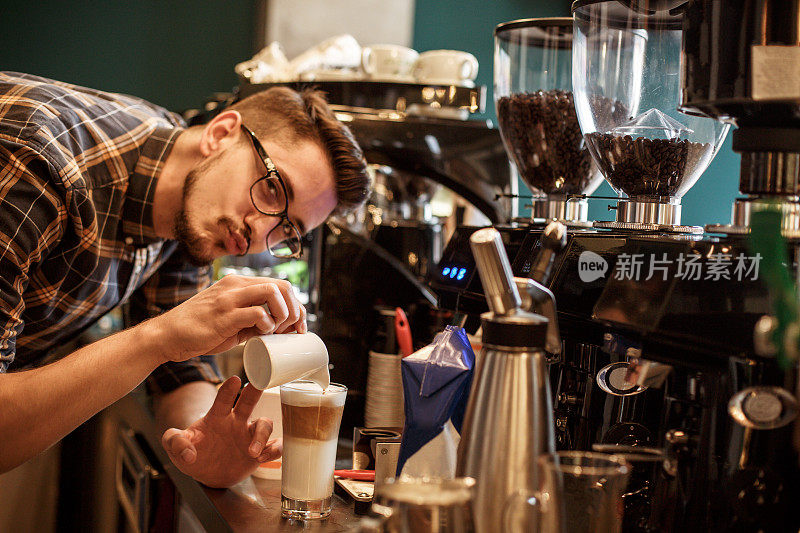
[{"x": 311, "y": 419}]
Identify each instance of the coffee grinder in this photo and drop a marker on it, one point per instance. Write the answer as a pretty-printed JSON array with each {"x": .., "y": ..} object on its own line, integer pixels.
[
  {"x": 627, "y": 73},
  {"x": 750, "y": 77},
  {"x": 536, "y": 114}
]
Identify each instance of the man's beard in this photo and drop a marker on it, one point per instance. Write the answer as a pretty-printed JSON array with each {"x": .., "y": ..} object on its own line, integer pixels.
[
  {"x": 193, "y": 245},
  {"x": 190, "y": 242}
]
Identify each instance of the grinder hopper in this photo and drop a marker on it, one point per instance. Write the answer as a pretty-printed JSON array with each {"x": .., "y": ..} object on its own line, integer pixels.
[
  {"x": 536, "y": 114},
  {"x": 627, "y": 80}
]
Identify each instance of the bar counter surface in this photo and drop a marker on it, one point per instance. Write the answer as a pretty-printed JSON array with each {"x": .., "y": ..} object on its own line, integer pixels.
[{"x": 252, "y": 505}]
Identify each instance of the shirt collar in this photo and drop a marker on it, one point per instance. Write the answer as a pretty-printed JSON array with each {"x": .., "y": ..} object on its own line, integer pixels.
[{"x": 137, "y": 212}]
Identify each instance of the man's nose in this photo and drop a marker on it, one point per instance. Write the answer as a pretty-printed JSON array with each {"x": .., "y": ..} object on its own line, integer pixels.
[{"x": 261, "y": 225}]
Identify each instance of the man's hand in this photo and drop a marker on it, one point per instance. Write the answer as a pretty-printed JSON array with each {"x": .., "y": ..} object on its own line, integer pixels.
[
  {"x": 229, "y": 312},
  {"x": 222, "y": 448}
]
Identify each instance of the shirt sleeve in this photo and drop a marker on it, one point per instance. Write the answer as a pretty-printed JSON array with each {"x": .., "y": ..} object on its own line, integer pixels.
[
  {"x": 175, "y": 281},
  {"x": 32, "y": 218}
]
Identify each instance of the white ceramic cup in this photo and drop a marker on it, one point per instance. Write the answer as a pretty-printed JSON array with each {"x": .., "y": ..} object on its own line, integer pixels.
[
  {"x": 388, "y": 60},
  {"x": 342, "y": 51},
  {"x": 272, "y": 360},
  {"x": 446, "y": 67},
  {"x": 272, "y": 55}
]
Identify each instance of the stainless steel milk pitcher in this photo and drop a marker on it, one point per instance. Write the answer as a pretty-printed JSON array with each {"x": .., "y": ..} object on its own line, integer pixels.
[{"x": 509, "y": 420}]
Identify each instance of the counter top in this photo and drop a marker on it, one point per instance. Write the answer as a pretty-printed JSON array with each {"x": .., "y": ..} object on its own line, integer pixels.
[
  {"x": 255, "y": 505},
  {"x": 252, "y": 505}
]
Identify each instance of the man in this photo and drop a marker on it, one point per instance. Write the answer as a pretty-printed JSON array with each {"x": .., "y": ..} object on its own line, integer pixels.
[{"x": 105, "y": 198}]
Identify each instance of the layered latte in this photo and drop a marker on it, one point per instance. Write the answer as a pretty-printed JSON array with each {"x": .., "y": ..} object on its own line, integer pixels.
[{"x": 311, "y": 419}]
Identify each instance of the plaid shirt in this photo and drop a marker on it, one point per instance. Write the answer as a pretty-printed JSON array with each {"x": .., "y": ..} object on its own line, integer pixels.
[{"x": 79, "y": 172}]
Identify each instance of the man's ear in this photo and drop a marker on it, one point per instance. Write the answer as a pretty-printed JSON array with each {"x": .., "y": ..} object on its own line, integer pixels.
[{"x": 223, "y": 131}]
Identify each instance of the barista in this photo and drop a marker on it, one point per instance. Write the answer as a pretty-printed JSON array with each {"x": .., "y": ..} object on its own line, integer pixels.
[{"x": 105, "y": 199}]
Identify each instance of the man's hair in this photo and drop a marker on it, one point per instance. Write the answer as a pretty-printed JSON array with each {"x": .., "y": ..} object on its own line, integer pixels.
[{"x": 288, "y": 115}]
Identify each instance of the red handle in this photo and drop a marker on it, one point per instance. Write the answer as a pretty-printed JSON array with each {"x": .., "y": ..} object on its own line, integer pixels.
[
  {"x": 403, "y": 332},
  {"x": 359, "y": 475}
]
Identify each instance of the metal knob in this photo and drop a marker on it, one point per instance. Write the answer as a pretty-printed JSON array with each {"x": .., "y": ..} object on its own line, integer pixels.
[
  {"x": 495, "y": 271},
  {"x": 763, "y": 407},
  {"x": 554, "y": 239}
]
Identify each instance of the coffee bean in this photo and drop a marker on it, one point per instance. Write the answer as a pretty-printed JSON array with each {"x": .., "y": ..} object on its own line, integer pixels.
[
  {"x": 646, "y": 167},
  {"x": 542, "y": 134}
]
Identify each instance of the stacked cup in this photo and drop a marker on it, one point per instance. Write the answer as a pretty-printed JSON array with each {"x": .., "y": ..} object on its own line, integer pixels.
[
  {"x": 384, "y": 391},
  {"x": 384, "y": 402}
]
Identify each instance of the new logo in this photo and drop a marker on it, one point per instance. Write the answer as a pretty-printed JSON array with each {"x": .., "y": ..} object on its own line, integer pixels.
[{"x": 591, "y": 266}]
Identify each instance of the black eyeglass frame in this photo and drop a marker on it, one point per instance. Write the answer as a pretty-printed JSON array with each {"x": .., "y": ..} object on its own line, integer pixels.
[{"x": 285, "y": 222}]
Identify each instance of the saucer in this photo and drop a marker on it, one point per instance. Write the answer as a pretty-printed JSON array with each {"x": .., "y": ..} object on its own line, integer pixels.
[
  {"x": 454, "y": 113},
  {"x": 443, "y": 81},
  {"x": 331, "y": 75},
  {"x": 393, "y": 78}
]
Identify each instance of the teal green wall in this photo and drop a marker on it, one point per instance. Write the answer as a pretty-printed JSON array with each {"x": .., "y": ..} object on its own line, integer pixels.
[
  {"x": 175, "y": 54},
  {"x": 469, "y": 25}
]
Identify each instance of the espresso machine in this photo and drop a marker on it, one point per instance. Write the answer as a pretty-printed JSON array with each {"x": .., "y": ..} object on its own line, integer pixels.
[{"x": 662, "y": 357}]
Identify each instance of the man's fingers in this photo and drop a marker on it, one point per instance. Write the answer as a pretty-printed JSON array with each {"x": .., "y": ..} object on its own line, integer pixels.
[
  {"x": 302, "y": 326},
  {"x": 246, "y": 334},
  {"x": 249, "y": 309},
  {"x": 179, "y": 447},
  {"x": 283, "y": 311},
  {"x": 299, "y": 325},
  {"x": 293, "y": 305},
  {"x": 255, "y": 291},
  {"x": 249, "y": 317},
  {"x": 246, "y": 402},
  {"x": 266, "y": 324},
  {"x": 277, "y": 306},
  {"x": 226, "y": 395},
  {"x": 272, "y": 451},
  {"x": 261, "y": 430},
  {"x": 277, "y": 298}
]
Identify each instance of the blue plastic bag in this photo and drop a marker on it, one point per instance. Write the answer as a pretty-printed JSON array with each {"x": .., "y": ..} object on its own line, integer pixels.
[{"x": 436, "y": 384}]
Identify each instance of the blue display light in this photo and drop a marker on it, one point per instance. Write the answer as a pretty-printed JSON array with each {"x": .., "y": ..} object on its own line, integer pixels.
[
  {"x": 453, "y": 272},
  {"x": 461, "y": 273},
  {"x": 445, "y": 271}
]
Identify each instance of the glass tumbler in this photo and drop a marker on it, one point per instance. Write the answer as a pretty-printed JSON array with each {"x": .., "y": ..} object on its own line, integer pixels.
[
  {"x": 581, "y": 492},
  {"x": 311, "y": 418}
]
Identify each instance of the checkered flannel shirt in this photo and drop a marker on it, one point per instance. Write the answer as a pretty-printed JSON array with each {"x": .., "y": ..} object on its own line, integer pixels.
[{"x": 78, "y": 172}]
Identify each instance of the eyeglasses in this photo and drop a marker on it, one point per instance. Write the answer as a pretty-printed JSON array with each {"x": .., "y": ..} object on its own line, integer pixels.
[{"x": 268, "y": 194}]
